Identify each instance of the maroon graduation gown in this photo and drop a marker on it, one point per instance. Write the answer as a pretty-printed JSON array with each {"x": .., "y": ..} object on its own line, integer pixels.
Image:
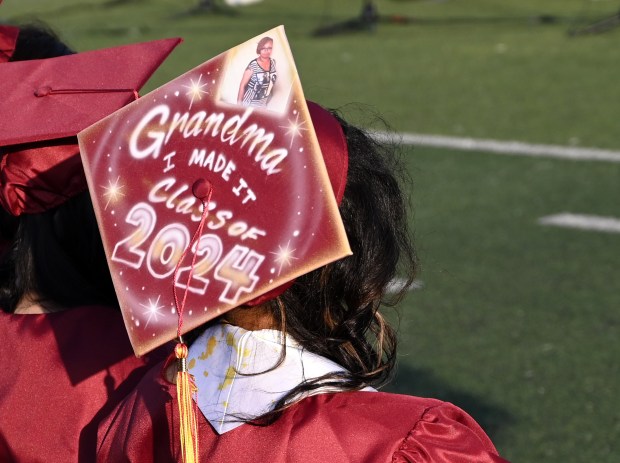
[
  {"x": 62, "y": 372},
  {"x": 368, "y": 427}
]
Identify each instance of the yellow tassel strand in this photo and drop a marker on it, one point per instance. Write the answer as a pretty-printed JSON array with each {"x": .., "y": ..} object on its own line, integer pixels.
[{"x": 187, "y": 415}]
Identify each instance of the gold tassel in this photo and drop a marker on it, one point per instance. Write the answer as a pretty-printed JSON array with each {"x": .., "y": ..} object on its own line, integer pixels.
[{"x": 186, "y": 388}]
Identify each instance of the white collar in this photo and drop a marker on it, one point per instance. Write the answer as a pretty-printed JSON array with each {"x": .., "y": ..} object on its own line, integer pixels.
[{"x": 221, "y": 358}]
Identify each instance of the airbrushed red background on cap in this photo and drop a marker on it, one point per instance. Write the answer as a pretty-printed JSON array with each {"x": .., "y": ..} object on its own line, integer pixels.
[{"x": 272, "y": 216}]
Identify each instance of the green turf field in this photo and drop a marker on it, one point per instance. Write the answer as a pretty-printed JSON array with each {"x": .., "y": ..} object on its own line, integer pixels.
[{"x": 517, "y": 323}]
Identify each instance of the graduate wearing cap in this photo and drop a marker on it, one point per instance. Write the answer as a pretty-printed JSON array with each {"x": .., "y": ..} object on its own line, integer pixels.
[
  {"x": 292, "y": 375},
  {"x": 264, "y": 240},
  {"x": 66, "y": 356}
]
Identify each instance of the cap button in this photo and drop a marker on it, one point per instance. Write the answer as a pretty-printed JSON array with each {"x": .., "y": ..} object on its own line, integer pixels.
[
  {"x": 202, "y": 188},
  {"x": 43, "y": 91}
]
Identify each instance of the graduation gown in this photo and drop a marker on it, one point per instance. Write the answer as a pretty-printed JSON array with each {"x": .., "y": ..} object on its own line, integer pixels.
[
  {"x": 62, "y": 372},
  {"x": 334, "y": 427},
  {"x": 360, "y": 427}
]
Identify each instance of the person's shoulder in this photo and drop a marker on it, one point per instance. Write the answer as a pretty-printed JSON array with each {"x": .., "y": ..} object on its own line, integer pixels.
[
  {"x": 373, "y": 400},
  {"x": 400, "y": 411},
  {"x": 405, "y": 427}
]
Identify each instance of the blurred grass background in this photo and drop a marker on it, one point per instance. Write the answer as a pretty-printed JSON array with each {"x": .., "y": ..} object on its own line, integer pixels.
[{"x": 516, "y": 323}]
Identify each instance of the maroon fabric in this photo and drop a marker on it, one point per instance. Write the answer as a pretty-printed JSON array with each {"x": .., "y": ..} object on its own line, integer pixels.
[
  {"x": 351, "y": 427},
  {"x": 8, "y": 38},
  {"x": 35, "y": 183},
  {"x": 45, "y": 103},
  {"x": 62, "y": 372},
  {"x": 333, "y": 147},
  {"x": 46, "y": 99},
  {"x": 335, "y": 153}
]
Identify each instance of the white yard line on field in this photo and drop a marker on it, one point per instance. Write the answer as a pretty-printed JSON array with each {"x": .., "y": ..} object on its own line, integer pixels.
[
  {"x": 502, "y": 147},
  {"x": 581, "y": 221}
]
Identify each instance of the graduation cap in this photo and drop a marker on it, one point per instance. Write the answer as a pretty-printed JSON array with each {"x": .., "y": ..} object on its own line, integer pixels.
[
  {"x": 8, "y": 38},
  {"x": 205, "y": 204},
  {"x": 45, "y": 103}
]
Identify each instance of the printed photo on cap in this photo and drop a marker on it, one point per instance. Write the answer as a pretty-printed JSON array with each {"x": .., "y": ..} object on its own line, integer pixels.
[{"x": 258, "y": 74}]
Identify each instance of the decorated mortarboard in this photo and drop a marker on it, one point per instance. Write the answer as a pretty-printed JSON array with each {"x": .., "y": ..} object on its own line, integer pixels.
[
  {"x": 45, "y": 103},
  {"x": 8, "y": 39},
  {"x": 205, "y": 201}
]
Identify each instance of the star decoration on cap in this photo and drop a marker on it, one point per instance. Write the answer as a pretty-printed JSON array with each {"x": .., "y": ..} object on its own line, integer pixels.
[
  {"x": 195, "y": 90},
  {"x": 294, "y": 128},
  {"x": 152, "y": 310},
  {"x": 113, "y": 192},
  {"x": 284, "y": 256}
]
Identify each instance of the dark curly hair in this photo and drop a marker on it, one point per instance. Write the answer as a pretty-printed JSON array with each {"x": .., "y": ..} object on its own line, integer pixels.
[{"x": 335, "y": 311}]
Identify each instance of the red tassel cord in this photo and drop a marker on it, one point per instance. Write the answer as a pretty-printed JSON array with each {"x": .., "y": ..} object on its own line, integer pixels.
[{"x": 186, "y": 388}]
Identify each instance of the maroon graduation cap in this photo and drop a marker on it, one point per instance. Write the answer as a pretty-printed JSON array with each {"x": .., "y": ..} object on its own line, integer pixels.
[
  {"x": 45, "y": 103},
  {"x": 207, "y": 201},
  {"x": 8, "y": 38}
]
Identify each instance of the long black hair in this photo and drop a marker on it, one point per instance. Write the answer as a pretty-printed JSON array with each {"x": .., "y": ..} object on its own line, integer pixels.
[
  {"x": 58, "y": 256},
  {"x": 38, "y": 41}
]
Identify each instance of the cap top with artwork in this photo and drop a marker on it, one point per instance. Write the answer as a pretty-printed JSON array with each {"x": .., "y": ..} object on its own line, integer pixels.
[
  {"x": 207, "y": 200},
  {"x": 44, "y": 103}
]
